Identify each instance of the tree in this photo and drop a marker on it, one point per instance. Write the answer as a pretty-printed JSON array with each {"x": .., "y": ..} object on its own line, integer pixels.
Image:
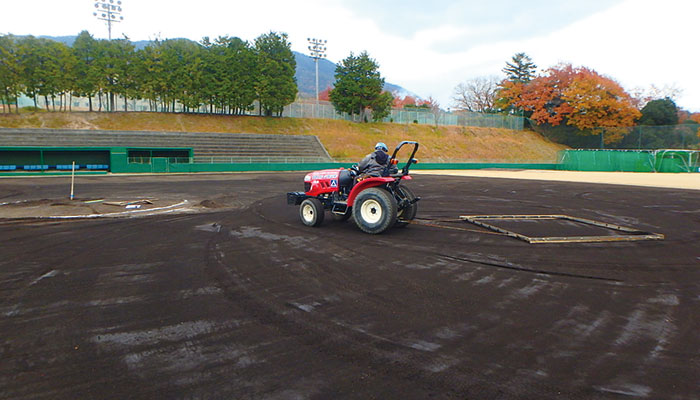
[
  {"x": 42, "y": 68},
  {"x": 659, "y": 112},
  {"x": 9, "y": 72},
  {"x": 242, "y": 75},
  {"x": 227, "y": 75},
  {"x": 521, "y": 69},
  {"x": 150, "y": 69},
  {"x": 381, "y": 106},
  {"x": 358, "y": 85},
  {"x": 408, "y": 101},
  {"x": 599, "y": 104},
  {"x": 276, "y": 85},
  {"x": 434, "y": 108},
  {"x": 86, "y": 72},
  {"x": 183, "y": 61},
  {"x": 115, "y": 69},
  {"x": 695, "y": 117},
  {"x": 578, "y": 97},
  {"x": 325, "y": 95},
  {"x": 476, "y": 95}
]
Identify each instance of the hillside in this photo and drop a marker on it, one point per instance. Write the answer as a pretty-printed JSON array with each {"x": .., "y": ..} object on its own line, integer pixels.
[{"x": 344, "y": 140}]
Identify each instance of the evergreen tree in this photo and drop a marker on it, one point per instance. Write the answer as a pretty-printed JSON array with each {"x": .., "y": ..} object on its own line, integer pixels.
[
  {"x": 227, "y": 75},
  {"x": 381, "y": 106},
  {"x": 9, "y": 72},
  {"x": 521, "y": 69},
  {"x": 659, "y": 112},
  {"x": 150, "y": 70},
  {"x": 243, "y": 75},
  {"x": 276, "y": 85},
  {"x": 41, "y": 69},
  {"x": 358, "y": 87},
  {"x": 231, "y": 74},
  {"x": 183, "y": 62},
  {"x": 113, "y": 67},
  {"x": 86, "y": 72}
]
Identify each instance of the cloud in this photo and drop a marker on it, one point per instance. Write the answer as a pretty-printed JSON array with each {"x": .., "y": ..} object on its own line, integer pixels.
[{"x": 426, "y": 47}]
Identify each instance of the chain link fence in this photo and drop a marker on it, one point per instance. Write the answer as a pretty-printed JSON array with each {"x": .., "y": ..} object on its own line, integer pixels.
[
  {"x": 684, "y": 136},
  {"x": 309, "y": 109},
  {"x": 325, "y": 110}
]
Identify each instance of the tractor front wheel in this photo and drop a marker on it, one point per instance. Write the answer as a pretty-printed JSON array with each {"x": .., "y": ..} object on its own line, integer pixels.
[
  {"x": 311, "y": 212},
  {"x": 374, "y": 210}
]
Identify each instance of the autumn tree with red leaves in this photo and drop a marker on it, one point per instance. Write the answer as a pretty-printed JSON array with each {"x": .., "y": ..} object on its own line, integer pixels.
[
  {"x": 695, "y": 117},
  {"x": 403, "y": 102},
  {"x": 579, "y": 97},
  {"x": 325, "y": 95}
]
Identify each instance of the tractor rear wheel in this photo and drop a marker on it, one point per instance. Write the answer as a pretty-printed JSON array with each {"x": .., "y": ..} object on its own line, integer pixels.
[
  {"x": 374, "y": 210},
  {"x": 408, "y": 213},
  {"x": 311, "y": 212}
]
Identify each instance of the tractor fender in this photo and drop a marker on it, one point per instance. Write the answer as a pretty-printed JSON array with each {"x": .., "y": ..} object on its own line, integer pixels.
[{"x": 365, "y": 184}]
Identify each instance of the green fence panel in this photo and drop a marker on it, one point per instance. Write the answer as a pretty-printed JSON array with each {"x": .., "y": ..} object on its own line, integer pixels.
[
  {"x": 606, "y": 160},
  {"x": 677, "y": 161},
  {"x": 629, "y": 160}
]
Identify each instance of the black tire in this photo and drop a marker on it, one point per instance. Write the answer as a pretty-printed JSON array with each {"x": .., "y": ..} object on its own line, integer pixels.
[
  {"x": 311, "y": 212},
  {"x": 374, "y": 210},
  {"x": 408, "y": 213}
]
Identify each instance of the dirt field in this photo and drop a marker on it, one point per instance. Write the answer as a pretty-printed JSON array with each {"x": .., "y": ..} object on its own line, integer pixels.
[
  {"x": 229, "y": 296},
  {"x": 649, "y": 179}
]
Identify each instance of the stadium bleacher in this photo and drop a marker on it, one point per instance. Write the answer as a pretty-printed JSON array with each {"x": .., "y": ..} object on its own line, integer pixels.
[{"x": 219, "y": 147}]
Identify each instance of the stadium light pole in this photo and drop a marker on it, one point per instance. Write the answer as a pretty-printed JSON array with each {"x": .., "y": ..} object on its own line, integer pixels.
[
  {"x": 317, "y": 49},
  {"x": 109, "y": 11}
]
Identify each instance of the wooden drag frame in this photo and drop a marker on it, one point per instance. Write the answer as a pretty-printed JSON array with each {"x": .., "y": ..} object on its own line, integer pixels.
[{"x": 631, "y": 234}]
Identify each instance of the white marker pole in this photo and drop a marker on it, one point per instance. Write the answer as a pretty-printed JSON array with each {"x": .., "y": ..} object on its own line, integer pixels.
[{"x": 72, "y": 180}]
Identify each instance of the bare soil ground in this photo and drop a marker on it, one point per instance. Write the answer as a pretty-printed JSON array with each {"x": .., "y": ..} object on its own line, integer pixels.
[{"x": 232, "y": 297}]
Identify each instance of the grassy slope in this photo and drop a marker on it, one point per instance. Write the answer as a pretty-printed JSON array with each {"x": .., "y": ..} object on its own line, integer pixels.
[{"x": 343, "y": 140}]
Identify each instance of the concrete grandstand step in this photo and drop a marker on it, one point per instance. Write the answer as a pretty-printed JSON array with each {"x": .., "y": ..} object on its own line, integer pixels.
[{"x": 203, "y": 143}]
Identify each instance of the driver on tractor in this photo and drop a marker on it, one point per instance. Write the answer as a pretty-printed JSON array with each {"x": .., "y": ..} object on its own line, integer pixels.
[{"x": 374, "y": 164}]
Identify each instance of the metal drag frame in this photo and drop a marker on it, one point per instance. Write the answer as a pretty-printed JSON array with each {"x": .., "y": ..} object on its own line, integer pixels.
[{"x": 631, "y": 233}]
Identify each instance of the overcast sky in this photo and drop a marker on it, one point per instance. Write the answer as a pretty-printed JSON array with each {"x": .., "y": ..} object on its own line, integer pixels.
[{"x": 428, "y": 47}]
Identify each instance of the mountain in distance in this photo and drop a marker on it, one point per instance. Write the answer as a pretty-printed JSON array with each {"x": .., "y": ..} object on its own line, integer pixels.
[
  {"x": 305, "y": 72},
  {"x": 306, "y": 77}
]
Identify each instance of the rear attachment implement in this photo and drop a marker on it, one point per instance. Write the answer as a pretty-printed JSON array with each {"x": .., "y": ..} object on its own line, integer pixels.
[{"x": 627, "y": 234}]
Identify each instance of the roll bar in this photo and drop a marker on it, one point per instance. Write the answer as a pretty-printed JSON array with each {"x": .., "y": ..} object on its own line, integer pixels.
[{"x": 410, "y": 161}]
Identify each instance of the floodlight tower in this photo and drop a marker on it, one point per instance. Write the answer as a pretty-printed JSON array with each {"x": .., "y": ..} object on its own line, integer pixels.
[
  {"x": 317, "y": 48},
  {"x": 109, "y": 11}
]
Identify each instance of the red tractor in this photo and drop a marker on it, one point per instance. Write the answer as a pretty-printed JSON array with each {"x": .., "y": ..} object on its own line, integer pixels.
[{"x": 375, "y": 203}]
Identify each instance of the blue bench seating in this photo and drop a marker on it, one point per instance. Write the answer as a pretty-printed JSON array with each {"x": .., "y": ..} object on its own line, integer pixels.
[
  {"x": 35, "y": 167},
  {"x": 97, "y": 166},
  {"x": 8, "y": 167},
  {"x": 67, "y": 166}
]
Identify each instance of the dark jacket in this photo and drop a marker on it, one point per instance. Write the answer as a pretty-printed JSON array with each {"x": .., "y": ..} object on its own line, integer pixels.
[{"x": 374, "y": 163}]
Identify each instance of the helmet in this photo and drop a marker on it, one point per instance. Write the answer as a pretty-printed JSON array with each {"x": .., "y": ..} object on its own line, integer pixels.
[{"x": 381, "y": 146}]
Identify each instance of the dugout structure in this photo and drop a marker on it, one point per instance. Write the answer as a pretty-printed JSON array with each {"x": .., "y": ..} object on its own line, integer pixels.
[
  {"x": 33, "y": 160},
  {"x": 665, "y": 160}
]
